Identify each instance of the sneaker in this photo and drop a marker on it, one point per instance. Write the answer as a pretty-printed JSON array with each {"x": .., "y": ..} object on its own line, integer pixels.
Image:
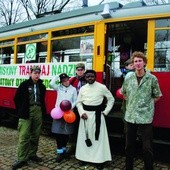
[
  {"x": 59, "y": 158},
  {"x": 35, "y": 158}
]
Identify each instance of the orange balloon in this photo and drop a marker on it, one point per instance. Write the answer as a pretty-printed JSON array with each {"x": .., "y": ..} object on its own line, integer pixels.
[{"x": 69, "y": 116}]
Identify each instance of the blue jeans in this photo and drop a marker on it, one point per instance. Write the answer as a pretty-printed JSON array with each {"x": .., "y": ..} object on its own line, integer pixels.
[{"x": 147, "y": 137}]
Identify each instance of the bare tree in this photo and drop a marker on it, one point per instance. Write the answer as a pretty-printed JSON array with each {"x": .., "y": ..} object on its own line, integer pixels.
[
  {"x": 39, "y": 8},
  {"x": 14, "y": 11},
  {"x": 73, "y": 4},
  {"x": 10, "y": 12},
  {"x": 24, "y": 3}
]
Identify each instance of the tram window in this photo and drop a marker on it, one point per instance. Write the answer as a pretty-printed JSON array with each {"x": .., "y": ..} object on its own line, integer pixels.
[
  {"x": 32, "y": 52},
  {"x": 162, "y": 50},
  {"x": 160, "y": 59},
  {"x": 6, "y": 55},
  {"x": 73, "y": 49},
  {"x": 73, "y": 31},
  {"x": 19, "y": 60},
  {"x": 42, "y": 59},
  {"x": 7, "y": 42},
  {"x": 33, "y": 37},
  {"x": 162, "y": 23}
]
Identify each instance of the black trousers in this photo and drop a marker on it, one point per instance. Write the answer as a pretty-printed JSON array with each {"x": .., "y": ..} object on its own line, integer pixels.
[
  {"x": 147, "y": 137},
  {"x": 61, "y": 140},
  {"x": 73, "y": 139}
]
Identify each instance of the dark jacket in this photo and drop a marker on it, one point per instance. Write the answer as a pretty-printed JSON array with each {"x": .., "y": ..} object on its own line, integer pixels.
[{"x": 21, "y": 98}]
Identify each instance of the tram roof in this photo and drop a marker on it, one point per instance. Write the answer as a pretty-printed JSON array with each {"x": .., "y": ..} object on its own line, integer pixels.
[{"x": 86, "y": 14}]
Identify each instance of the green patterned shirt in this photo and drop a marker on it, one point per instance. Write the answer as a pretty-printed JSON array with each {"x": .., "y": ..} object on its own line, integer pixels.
[{"x": 140, "y": 98}]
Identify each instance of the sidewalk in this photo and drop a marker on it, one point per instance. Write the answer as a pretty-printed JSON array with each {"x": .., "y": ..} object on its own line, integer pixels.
[{"x": 47, "y": 147}]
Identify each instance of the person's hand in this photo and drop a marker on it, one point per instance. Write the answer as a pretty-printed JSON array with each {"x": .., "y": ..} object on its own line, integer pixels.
[{"x": 84, "y": 116}]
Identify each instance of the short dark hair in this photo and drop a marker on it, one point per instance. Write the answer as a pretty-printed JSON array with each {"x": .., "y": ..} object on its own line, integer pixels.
[
  {"x": 127, "y": 62},
  {"x": 90, "y": 71}
]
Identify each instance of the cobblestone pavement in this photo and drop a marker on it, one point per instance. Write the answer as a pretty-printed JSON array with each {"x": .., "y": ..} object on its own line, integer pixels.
[{"x": 8, "y": 144}]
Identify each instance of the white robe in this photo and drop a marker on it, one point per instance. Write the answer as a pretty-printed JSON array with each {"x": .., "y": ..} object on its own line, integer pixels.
[{"x": 99, "y": 152}]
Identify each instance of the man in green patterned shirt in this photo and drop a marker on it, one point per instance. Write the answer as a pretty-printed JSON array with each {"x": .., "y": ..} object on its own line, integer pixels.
[{"x": 141, "y": 90}]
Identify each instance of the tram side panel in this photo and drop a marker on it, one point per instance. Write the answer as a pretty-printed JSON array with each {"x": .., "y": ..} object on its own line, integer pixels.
[
  {"x": 8, "y": 115},
  {"x": 7, "y": 97},
  {"x": 7, "y": 106},
  {"x": 162, "y": 107},
  {"x": 161, "y": 121}
]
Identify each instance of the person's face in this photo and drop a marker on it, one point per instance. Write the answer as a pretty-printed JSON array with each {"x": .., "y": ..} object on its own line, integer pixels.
[
  {"x": 65, "y": 82},
  {"x": 80, "y": 72},
  {"x": 35, "y": 75},
  {"x": 130, "y": 67},
  {"x": 139, "y": 64},
  {"x": 90, "y": 78}
]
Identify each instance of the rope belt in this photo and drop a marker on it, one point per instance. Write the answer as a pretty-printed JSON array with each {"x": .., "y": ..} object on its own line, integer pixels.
[{"x": 98, "y": 109}]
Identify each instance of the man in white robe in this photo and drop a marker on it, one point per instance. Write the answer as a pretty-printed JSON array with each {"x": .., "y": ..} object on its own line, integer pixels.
[{"x": 92, "y": 121}]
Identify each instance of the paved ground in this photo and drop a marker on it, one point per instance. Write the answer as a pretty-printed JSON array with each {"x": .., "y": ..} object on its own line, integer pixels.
[{"x": 8, "y": 144}]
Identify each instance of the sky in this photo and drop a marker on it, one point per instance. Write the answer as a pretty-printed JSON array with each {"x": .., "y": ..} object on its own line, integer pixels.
[
  {"x": 96, "y": 2},
  {"x": 71, "y": 6}
]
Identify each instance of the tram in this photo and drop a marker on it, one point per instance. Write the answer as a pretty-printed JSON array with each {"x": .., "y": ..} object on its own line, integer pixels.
[{"x": 103, "y": 37}]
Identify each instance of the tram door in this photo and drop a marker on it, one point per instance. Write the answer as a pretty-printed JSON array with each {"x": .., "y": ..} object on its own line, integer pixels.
[{"x": 122, "y": 39}]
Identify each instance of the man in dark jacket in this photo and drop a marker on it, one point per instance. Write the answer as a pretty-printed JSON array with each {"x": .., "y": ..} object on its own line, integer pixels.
[{"x": 30, "y": 104}]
